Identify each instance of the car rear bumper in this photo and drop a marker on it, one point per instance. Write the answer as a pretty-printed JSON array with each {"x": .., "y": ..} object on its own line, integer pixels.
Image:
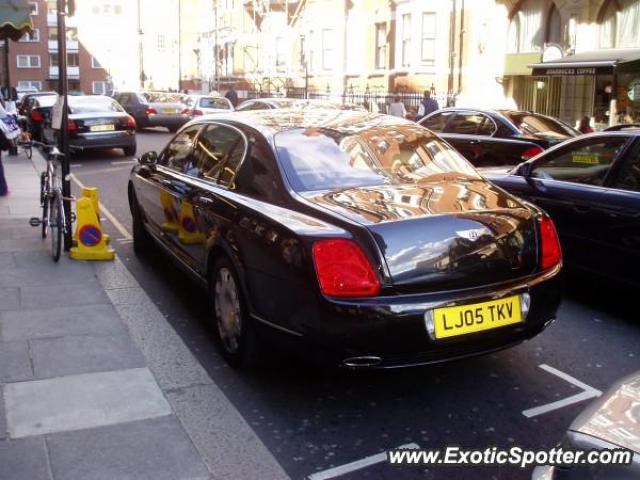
[
  {"x": 168, "y": 121},
  {"x": 86, "y": 141},
  {"x": 391, "y": 332}
]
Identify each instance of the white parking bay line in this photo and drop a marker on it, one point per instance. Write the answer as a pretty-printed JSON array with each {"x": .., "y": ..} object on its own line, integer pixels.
[
  {"x": 123, "y": 231},
  {"x": 587, "y": 393},
  {"x": 123, "y": 162},
  {"x": 357, "y": 465}
]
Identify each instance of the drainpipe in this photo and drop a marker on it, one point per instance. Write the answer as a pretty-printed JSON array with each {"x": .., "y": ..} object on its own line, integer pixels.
[{"x": 452, "y": 46}]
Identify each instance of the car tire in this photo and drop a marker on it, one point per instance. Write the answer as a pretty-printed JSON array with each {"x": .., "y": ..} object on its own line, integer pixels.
[
  {"x": 129, "y": 151},
  {"x": 173, "y": 129},
  {"x": 141, "y": 239},
  {"x": 233, "y": 327}
]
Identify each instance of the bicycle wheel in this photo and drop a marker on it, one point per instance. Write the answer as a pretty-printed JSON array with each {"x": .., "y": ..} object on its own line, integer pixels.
[{"x": 56, "y": 225}]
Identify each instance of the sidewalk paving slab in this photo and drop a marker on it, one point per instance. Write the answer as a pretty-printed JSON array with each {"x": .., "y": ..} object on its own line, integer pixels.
[
  {"x": 3, "y": 418},
  {"x": 60, "y": 321},
  {"x": 24, "y": 459},
  {"x": 56, "y": 295},
  {"x": 82, "y": 401},
  {"x": 9, "y": 297},
  {"x": 156, "y": 449},
  {"x": 74, "y": 355},
  {"x": 15, "y": 363}
]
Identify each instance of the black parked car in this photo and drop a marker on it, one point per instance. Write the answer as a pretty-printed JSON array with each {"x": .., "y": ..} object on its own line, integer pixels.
[
  {"x": 497, "y": 137},
  {"x": 155, "y": 109},
  {"x": 591, "y": 188},
  {"x": 95, "y": 122},
  {"x": 37, "y": 111},
  {"x": 363, "y": 234}
]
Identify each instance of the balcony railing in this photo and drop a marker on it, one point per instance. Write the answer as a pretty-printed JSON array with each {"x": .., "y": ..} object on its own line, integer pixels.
[
  {"x": 72, "y": 45},
  {"x": 72, "y": 72}
]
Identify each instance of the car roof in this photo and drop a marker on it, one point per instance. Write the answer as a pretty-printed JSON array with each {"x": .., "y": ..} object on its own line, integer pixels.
[{"x": 270, "y": 122}]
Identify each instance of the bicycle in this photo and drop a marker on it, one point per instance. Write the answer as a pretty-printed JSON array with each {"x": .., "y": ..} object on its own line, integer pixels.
[{"x": 53, "y": 221}]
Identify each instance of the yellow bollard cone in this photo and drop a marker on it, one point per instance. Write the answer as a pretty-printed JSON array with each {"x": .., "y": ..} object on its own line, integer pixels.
[
  {"x": 92, "y": 244},
  {"x": 170, "y": 216},
  {"x": 188, "y": 232},
  {"x": 92, "y": 194}
]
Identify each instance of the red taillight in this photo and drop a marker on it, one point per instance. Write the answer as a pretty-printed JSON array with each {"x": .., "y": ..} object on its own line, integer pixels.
[
  {"x": 36, "y": 116},
  {"x": 551, "y": 253},
  {"x": 131, "y": 122},
  {"x": 150, "y": 111},
  {"x": 71, "y": 126},
  {"x": 343, "y": 269},
  {"x": 531, "y": 152}
]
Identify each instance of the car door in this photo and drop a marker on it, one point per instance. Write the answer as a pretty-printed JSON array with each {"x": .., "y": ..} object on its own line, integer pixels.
[
  {"x": 162, "y": 188},
  {"x": 569, "y": 183},
  {"x": 219, "y": 151},
  {"x": 468, "y": 132},
  {"x": 621, "y": 230}
]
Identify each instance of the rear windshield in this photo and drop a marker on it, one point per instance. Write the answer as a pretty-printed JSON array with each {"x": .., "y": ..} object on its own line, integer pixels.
[
  {"x": 540, "y": 126},
  {"x": 163, "y": 97},
  {"x": 47, "y": 100},
  {"x": 212, "y": 102},
  {"x": 93, "y": 105},
  {"x": 323, "y": 159}
]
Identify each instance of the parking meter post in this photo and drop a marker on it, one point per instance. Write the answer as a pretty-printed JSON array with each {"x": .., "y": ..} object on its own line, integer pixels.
[{"x": 63, "y": 137}]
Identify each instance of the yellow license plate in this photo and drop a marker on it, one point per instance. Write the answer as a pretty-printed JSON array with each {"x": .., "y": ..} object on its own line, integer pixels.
[
  {"x": 464, "y": 319},
  {"x": 103, "y": 128},
  {"x": 169, "y": 110}
]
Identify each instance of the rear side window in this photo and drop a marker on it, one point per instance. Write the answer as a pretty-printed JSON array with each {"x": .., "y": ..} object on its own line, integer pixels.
[
  {"x": 437, "y": 122},
  {"x": 629, "y": 175},
  {"x": 471, "y": 124},
  {"x": 587, "y": 161},
  {"x": 176, "y": 155},
  {"x": 259, "y": 175},
  {"x": 540, "y": 126}
]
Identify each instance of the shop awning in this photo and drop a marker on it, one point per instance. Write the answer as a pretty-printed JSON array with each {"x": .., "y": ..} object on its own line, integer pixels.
[
  {"x": 600, "y": 62},
  {"x": 15, "y": 19}
]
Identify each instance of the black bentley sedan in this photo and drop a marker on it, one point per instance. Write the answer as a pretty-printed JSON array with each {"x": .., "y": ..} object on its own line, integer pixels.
[
  {"x": 497, "y": 137},
  {"x": 591, "y": 188},
  {"x": 361, "y": 234}
]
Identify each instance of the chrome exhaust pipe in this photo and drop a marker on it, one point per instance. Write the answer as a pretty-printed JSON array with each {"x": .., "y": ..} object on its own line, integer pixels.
[{"x": 362, "y": 362}]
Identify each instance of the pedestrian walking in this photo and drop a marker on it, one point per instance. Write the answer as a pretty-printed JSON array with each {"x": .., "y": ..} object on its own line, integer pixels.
[
  {"x": 397, "y": 108},
  {"x": 8, "y": 128},
  {"x": 232, "y": 96},
  {"x": 10, "y": 98},
  {"x": 427, "y": 105},
  {"x": 585, "y": 125}
]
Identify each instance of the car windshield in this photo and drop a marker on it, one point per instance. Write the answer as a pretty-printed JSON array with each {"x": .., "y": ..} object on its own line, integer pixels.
[
  {"x": 212, "y": 102},
  {"x": 47, "y": 100},
  {"x": 540, "y": 126},
  {"x": 91, "y": 104},
  {"x": 323, "y": 159}
]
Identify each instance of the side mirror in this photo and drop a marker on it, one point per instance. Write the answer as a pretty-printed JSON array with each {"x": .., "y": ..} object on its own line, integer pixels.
[
  {"x": 526, "y": 170},
  {"x": 148, "y": 158}
]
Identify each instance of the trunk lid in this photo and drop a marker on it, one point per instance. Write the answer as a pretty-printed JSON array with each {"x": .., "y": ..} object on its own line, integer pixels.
[{"x": 450, "y": 234}]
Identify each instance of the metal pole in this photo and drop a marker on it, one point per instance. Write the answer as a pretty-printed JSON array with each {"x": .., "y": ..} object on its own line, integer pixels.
[
  {"x": 7, "y": 75},
  {"x": 63, "y": 137},
  {"x": 140, "y": 46},
  {"x": 461, "y": 47},
  {"x": 179, "y": 45}
]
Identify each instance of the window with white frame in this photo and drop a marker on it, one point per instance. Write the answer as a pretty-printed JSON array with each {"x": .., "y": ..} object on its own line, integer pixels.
[
  {"x": 161, "y": 42},
  {"x": 328, "y": 48},
  {"x": 620, "y": 24},
  {"x": 95, "y": 63},
  {"x": 405, "y": 54},
  {"x": 29, "y": 84},
  {"x": 381, "y": 45},
  {"x": 34, "y": 8},
  {"x": 31, "y": 37},
  {"x": 428, "y": 38},
  {"x": 100, "y": 87},
  {"x": 28, "y": 61}
]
